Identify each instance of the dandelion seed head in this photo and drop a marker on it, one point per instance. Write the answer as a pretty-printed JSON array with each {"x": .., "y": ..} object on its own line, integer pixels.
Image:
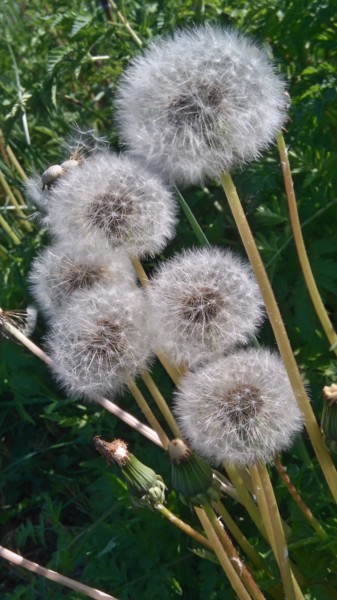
[
  {"x": 239, "y": 409},
  {"x": 100, "y": 339},
  {"x": 111, "y": 201},
  {"x": 203, "y": 303},
  {"x": 63, "y": 269},
  {"x": 202, "y": 101}
]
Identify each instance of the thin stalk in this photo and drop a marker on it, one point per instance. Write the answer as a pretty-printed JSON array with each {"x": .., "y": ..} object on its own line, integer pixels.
[
  {"x": 143, "y": 405},
  {"x": 7, "y": 228},
  {"x": 18, "y": 560},
  {"x": 107, "y": 404},
  {"x": 239, "y": 565},
  {"x": 161, "y": 403},
  {"x": 18, "y": 209},
  {"x": 171, "y": 369},
  {"x": 239, "y": 536},
  {"x": 246, "y": 499},
  {"x": 276, "y": 535},
  {"x": 280, "y": 334},
  {"x": 300, "y": 246},
  {"x": 198, "y": 537},
  {"x": 226, "y": 564},
  {"x": 16, "y": 163},
  {"x": 315, "y": 524},
  {"x": 126, "y": 24}
]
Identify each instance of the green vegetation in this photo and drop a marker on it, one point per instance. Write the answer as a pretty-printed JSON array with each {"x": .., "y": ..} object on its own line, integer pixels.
[{"x": 61, "y": 506}]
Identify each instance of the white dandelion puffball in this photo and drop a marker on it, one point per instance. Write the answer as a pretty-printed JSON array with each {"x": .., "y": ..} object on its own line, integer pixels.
[
  {"x": 203, "y": 302},
  {"x": 112, "y": 201},
  {"x": 240, "y": 409},
  {"x": 63, "y": 269},
  {"x": 202, "y": 101},
  {"x": 99, "y": 340}
]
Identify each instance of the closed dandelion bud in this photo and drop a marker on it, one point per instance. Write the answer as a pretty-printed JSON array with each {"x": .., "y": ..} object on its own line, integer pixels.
[
  {"x": 192, "y": 476},
  {"x": 240, "y": 409},
  {"x": 146, "y": 488},
  {"x": 63, "y": 269},
  {"x": 202, "y": 303},
  {"x": 201, "y": 101},
  {"x": 111, "y": 201},
  {"x": 329, "y": 417},
  {"x": 100, "y": 340}
]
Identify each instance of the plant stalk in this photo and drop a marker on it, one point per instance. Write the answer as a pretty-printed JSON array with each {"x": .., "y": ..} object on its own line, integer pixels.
[{"x": 280, "y": 334}]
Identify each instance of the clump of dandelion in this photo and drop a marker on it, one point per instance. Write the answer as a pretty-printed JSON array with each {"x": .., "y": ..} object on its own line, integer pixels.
[
  {"x": 65, "y": 268},
  {"x": 201, "y": 303},
  {"x": 110, "y": 200},
  {"x": 200, "y": 102},
  {"x": 100, "y": 340},
  {"x": 240, "y": 409}
]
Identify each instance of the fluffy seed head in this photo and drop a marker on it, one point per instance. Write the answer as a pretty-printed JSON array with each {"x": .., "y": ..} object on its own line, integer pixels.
[
  {"x": 98, "y": 340},
  {"x": 110, "y": 200},
  {"x": 240, "y": 409},
  {"x": 201, "y": 303},
  {"x": 63, "y": 269},
  {"x": 201, "y": 101}
]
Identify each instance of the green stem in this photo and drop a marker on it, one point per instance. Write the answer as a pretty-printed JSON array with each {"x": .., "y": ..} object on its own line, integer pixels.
[
  {"x": 222, "y": 556},
  {"x": 161, "y": 403},
  {"x": 300, "y": 247},
  {"x": 246, "y": 499},
  {"x": 198, "y": 537},
  {"x": 280, "y": 334},
  {"x": 239, "y": 566}
]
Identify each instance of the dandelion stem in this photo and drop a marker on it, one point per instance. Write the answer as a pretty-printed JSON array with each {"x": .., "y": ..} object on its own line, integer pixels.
[
  {"x": 239, "y": 536},
  {"x": 161, "y": 403},
  {"x": 143, "y": 405},
  {"x": 198, "y": 537},
  {"x": 172, "y": 370},
  {"x": 299, "y": 501},
  {"x": 16, "y": 163},
  {"x": 223, "y": 558},
  {"x": 300, "y": 247},
  {"x": 246, "y": 499},
  {"x": 239, "y": 565},
  {"x": 126, "y": 24},
  {"x": 268, "y": 507},
  {"x": 280, "y": 334},
  {"x": 16, "y": 559},
  {"x": 107, "y": 404}
]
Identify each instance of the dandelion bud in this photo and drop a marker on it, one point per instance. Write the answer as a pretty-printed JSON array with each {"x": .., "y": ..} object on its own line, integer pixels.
[
  {"x": 112, "y": 202},
  {"x": 202, "y": 303},
  {"x": 192, "y": 476},
  {"x": 240, "y": 409},
  {"x": 204, "y": 100},
  {"x": 145, "y": 486},
  {"x": 329, "y": 417},
  {"x": 64, "y": 269},
  {"x": 100, "y": 340}
]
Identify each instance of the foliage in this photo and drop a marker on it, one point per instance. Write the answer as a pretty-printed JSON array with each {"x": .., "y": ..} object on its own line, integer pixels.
[{"x": 61, "y": 506}]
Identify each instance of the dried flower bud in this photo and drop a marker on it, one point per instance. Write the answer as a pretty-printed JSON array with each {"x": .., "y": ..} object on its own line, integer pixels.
[
  {"x": 240, "y": 409},
  {"x": 145, "y": 486},
  {"x": 201, "y": 303}
]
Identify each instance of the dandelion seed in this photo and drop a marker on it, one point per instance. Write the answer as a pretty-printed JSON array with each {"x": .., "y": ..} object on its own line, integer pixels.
[
  {"x": 113, "y": 202},
  {"x": 63, "y": 269},
  {"x": 100, "y": 339},
  {"x": 202, "y": 101},
  {"x": 240, "y": 409},
  {"x": 202, "y": 303}
]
